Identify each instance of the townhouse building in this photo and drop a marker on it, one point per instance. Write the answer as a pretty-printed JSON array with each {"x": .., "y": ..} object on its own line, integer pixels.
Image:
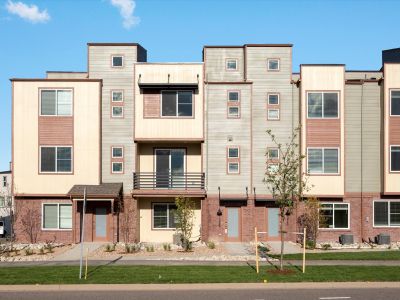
[{"x": 134, "y": 135}]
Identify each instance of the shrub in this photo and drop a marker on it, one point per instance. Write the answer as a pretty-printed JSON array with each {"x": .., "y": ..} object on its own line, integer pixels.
[
  {"x": 49, "y": 247},
  {"x": 167, "y": 247},
  {"x": 211, "y": 245},
  {"x": 150, "y": 248},
  {"x": 262, "y": 248},
  {"x": 326, "y": 246},
  {"x": 28, "y": 251},
  {"x": 108, "y": 248},
  {"x": 41, "y": 250},
  {"x": 310, "y": 244}
]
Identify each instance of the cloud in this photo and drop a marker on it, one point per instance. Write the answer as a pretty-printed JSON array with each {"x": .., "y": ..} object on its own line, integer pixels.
[
  {"x": 126, "y": 10},
  {"x": 29, "y": 13}
]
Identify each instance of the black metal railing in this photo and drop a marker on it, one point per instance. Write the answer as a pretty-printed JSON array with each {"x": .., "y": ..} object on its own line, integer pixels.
[{"x": 178, "y": 181}]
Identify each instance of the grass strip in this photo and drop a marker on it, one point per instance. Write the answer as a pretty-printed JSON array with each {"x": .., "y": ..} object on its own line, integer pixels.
[{"x": 360, "y": 255}]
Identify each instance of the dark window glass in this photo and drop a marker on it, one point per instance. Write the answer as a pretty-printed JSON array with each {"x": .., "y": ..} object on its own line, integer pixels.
[
  {"x": 233, "y": 152},
  {"x": 330, "y": 105},
  {"x": 231, "y": 64},
  {"x": 185, "y": 104},
  {"x": 341, "y": 216},
  {"x": 273, "y": 64},
  {"x": 326, "y": 216},
  {"x": 315, "y": 105},
  {"x": 395, "y": 103},
  {"x": 48, "y": 159},
  {"x": 117, "y": 61},
  {"x": 273, "y": 99},
  {"x": 64, "y": 159},
  {"x": 168, "y": 104},
  {"x": 395, "y": 158},
  {"x": 117, "y": 152},
  {"x": 233, "y": 96},
  {"x": 381, "y": 213},
  {"x": 173, "y": 219},
  {"x": 394, "y": 213},
  {"x": 48, "y": 103},
  {"x": 160, "y": 216}
]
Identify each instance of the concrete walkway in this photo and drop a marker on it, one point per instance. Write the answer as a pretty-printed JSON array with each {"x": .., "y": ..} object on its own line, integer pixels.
[
  {"x": 237, "y": 249},
  {"x": 75, "y": 252},
  {"x": 290, "y": 248}
]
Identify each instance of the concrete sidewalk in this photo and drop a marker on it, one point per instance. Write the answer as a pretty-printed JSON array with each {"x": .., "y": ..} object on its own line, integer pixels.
[{"x": 75, "y": 252}]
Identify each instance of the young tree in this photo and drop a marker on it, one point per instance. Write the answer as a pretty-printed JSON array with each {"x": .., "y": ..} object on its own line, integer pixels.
[
  {"x": 311, "y": 219},
  {"x": 184, "y": 215},
  {"x": 286, "y": 181},
  {"x": 29, "y": 219}
]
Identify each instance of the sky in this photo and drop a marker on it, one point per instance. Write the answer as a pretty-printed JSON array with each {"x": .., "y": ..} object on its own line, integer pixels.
[{"x": 41, "y": 35}]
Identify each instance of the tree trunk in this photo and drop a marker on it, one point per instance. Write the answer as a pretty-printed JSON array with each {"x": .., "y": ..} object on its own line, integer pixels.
[{"x": 282, "y": 242}]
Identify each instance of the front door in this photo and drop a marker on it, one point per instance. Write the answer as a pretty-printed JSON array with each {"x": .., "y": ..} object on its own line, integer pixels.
[
  {"x": 233, "y": 224},
  {"x": 100, "y": 224},
  {"x": 273, "y": 223},
  {"x": 170, "y": 168}
]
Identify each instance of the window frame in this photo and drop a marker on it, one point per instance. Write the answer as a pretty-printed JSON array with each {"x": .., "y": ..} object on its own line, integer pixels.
[
  {"x": 322, "y": 109},
  {"x": 333, "y": 216},
  {"x": 274, "y": 94},
  {"x": 112, "y": 167},
  {"x": 273, "y": 158},
  {"x": 117, "y": 91},
  {"x": 168, "y": 204},
  {"x": 112, "y": 112},
  {"x": 238, "y": 151},
  {"x": 112, "y": 60},
  {"x": 279, "y": 64},
  {"x": 323, "y": 163},
  {"x": 234, "y": 116},
  {"x": 390, "y": 158},
  {"x": 269, "y": 164},
  {"x": 233, "y": 163},
  {"x": 177, "y": 105},
  {"x": 58, "y": 217},
  {"x": 4, "y": 181},
  {"x": 227, "y": 60},
  {"x": 373, "y": 213},
  {"x": 390, "y": 102},
  {"x": 233, "y": 91},
  {"x": 56, "y": 104},
  {"x": 56, "y": 172},
  {"x": 273, "y": 119},
  {"x": 117, "y": 147}
]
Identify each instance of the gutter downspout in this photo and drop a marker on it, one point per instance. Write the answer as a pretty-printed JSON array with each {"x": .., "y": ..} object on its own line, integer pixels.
[{"x": 362, "y": 161}]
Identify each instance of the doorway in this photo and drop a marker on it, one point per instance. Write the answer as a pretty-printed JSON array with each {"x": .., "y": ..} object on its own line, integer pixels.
[
  {"x": 100, "y": 224},
  {"x": 170, "y": 168},
  {"x": 273, "y": 223},
  {"x": 232, "y": 224}
]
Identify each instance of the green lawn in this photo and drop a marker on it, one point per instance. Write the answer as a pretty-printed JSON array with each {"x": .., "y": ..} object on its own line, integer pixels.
[
  {"x": 191, "y": 274},
  {"x": 360, "y": 255}
]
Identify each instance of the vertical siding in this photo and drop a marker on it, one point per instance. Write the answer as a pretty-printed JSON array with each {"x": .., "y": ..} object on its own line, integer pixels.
[{"x": 215, "y": 60}]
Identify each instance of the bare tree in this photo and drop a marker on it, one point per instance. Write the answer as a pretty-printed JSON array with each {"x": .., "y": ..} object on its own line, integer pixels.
[
  {"x": 29, "y": 220},
  {"x": 286, "y": 181}
]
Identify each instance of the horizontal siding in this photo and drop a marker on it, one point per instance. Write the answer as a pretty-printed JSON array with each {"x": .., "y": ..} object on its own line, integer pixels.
[
  {"x": 394, "y": 129},
  {"x": 56, "y": 130},
  {"x": 323, "y": 132},
  {"x": 215, "y": 64}
]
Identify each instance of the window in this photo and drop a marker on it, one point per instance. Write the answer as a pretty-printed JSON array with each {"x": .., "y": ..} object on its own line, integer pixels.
[
  {"x": 394, "y": 158},
  {"x": 117, "y": 111},
  {"x": 233, "y": 111},
  {"x": 164, "y": 216},
  {"x": 233, "y": 152},
  {"x": 273, "y": 114},
  {"x": 323, "y": 105},
  {"x": 334, "y": 216},
  {"x": 233, "y": 158},
  {"x": 233, "y": 167},
  {"x": 4, "y": 181},
  {"x": 117, "y": 152},
  {"x": 395, "y": 103},
  {"x": 57, "y": 216},
  {"x": 55, "y": 159},
  {"x": 117, "y": 61},
  {"x": 231, "y": 64},
  {"x": 2, "y": 201},
  {"x": 233, "y": 96},
  {"x": 56, "y": 102},
  {"x": 273, "y": 64},
  {"x": 323, "y": 160},
  {"x": 117, "y": 167},
  {"x": 273, "y": 153},
  {"x": 117, "y": 96},
  {"x": 176, "y": 104},
  {"x": 387, "y": 213},
  {"x": 273, "y": 99}
]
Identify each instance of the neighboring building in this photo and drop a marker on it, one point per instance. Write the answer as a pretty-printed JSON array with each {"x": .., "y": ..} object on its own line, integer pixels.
[
  {"x": 137, "y": 134},
  {"x": 6, "y": 203}
]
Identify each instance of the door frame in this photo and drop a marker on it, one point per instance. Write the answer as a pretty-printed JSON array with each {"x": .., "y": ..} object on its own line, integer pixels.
[
  {"x": 239, "y": 238},
  {"x": 169, "y": 148}
]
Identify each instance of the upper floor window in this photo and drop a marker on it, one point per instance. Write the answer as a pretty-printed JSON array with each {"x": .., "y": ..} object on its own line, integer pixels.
[
  {"x": 387, "y": 213},
  {"x": 273, "y": 153},
  {"x": 233, "y": 152},
  {"x": 323, "y": 105},
  {"x": 55, "y": 159},
  {"x": 323, "y": 160},
  {"x": 231, "y": 64},
  {"x": 4, "y": 181},
  {"x": 56, "y": 102},
  {"x": 395, "y": 103},
  {"x": 117, "y": 112},
  {"x": 233, "y": 160},
  {"x": 273, "y": 64},
  {"x": 273, "y": 99},
  {"x": 117, "y": 96},
  {"x": 395, "y": 158},
  {"x": 117, "y": 152},
  {"x": 273, "y": 114},
  {"x": 233, "y": 96},
  {"x": 117, "y": 61},
  {"x": 177, "y": 104}
]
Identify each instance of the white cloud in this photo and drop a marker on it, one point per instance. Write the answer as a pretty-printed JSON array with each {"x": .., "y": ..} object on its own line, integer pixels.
[
  {"x": 29, "y": 13},
  {"x": 126, "y": 10}
]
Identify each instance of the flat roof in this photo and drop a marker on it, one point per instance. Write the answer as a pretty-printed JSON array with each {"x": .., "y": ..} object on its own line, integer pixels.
[
  {"x": 57, "y": 79},
  {"x": 248, "y": 45},
  {"x": 113, "y": 44}
]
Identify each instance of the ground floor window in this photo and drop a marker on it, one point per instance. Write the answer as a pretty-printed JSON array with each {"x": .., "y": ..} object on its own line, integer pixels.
[
  {"x": 56, "y": 216},
  {"x": 164, "y": 216},
  {"x": 387, "y": 213},
  {"x": 334, "y": 215}
]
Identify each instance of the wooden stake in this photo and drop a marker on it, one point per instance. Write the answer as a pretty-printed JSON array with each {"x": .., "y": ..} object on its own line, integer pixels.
[
  {"x": 304, "y": 250},
  {"x": 256, "y": 241}
]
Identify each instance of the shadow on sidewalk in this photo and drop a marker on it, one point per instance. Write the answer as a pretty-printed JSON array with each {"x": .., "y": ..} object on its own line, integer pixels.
[{"x": 99, "y": 267}]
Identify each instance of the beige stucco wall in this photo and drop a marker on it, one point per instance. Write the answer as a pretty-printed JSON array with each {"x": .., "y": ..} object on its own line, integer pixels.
[
  {"x": 392, "y": 81},
  {"x": 86, "y": 154},
  {"x": 149, "y": 235},
  {"x": 323, "y": 78},
  {"x": 169, "y": 128}
]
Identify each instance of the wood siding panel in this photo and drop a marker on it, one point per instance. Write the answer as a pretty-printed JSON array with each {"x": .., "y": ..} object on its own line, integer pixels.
[
  {"x": 394, "y": 131},
  {"x": 323, "y": 133},
  {"x": 215, "y": 64},
  {"x": 56, "y": 130},
  {"x": 151, "y": 104}
]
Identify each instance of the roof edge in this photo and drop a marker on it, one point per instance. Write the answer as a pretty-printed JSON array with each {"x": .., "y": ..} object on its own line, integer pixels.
[{"x": 56, "y": 79}]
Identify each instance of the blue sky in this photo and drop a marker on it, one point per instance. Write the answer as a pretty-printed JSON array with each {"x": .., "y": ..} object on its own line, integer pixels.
[{"x": 53, "y": 35}]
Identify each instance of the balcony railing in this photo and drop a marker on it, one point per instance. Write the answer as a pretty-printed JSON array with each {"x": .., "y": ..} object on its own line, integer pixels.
[{"x": 170, "y": 181}]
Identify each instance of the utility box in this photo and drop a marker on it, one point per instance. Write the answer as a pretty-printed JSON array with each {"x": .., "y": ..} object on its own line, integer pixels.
[
  {"x": 346, "y": 239},
  {"x": 383, "y": 239}
]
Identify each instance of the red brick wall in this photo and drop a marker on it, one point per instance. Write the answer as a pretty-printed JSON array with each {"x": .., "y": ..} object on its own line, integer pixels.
[{"x": 128, "y": 221}]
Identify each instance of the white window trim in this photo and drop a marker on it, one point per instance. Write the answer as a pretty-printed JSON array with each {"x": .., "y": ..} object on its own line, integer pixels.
[
  {"x": 56, "y": 90},
  {"x": 168, "y": 204},
  {"x": 112, "y": 96},
  {"x": 333, "y": 216},
  {"x": 112, "y": 167},
  {"x": 390, "y": 101},
  {"x": 231, "y": 115},
  {"x": 279, "y": 64},
  {"x": 234, "y": 162},
  {"x": 373, "y": 213},
  {"x": 115, "y": 116},
  {"x": 323, "y": 117},
  {"x": 233, "y": 92},
  {"x": 238, "y": 149},
  {"x": 277, "y": 149},
  {"x": 274, "y": 94},
  {"x": 231, "y": 59},
  {"x": 112, "y": 60},
  {"x": 55, "y": 146},
  {"x": 58, "y": 217},
  {"x": 271, "y": 109},
  {"x": 323, "y": 164},
  {"x": 177, "y": 104},
  {"x": 390, "y": 159},
  {"x": 117, "y": 147}
]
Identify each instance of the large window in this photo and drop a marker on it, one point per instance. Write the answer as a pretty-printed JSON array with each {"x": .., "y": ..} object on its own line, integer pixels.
[
  {"x": 57, "y": 216},
  {"x": 323, "y": 105},
  {"x": 387, "y": 213},
  {"x": 334, "y": 216},
  {"x": 177, "y": 104},
  {"x": 323, "y": 160},
  {"x": 394, "y": 158},
  {"x": 164, "y": 216},
  {"x": 55, "y": 159},
  {"x": 56, "y": 102},
  {"x": 395, "y": 103}
]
